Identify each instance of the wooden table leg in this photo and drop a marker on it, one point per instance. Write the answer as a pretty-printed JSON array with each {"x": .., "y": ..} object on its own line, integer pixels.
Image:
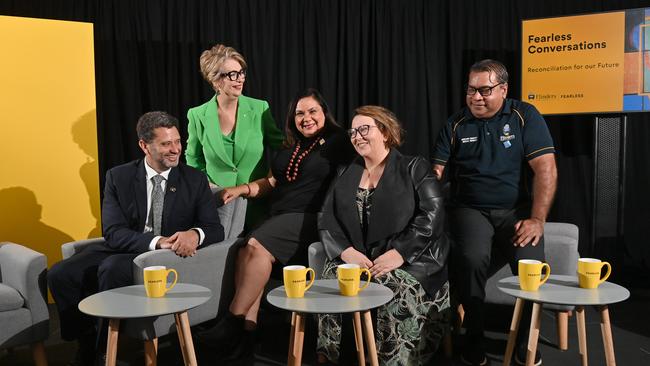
[
  {"x": 38, "y": 354},
  {"x": 514, "y": 329},
  {"x": 292, "y": 340},
  {"x": 151, "y": 352},
  {"x": 582, "y": 334},
  {"x": 181, "y": 337},
  {"x": 370, "y": 338},
  {"x": 606, "y": 330},
  {"x": 533, "y": 336},
  {"x": 562, "y": 320},
  {"x": 111, "y": 345},
  {"x": 185, "y": 337},
  {"x": 358, "y": 338},
  {"x": 296, "y": 339}
]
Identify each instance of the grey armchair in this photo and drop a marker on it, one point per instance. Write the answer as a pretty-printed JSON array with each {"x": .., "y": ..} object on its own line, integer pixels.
[
  {"x": 24, "y": 318},
  {"x": 207, "y": 268},
  {"x": 561, "y": 250}
]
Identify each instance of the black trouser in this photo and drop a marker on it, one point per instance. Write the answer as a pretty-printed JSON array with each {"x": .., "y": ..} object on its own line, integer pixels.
[
  {"x": 476, "y": 233},
  {"x": 93, "y": 270}
]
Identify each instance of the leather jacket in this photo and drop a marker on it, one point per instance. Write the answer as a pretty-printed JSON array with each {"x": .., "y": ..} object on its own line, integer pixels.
[{"x": 407, "y": 214}]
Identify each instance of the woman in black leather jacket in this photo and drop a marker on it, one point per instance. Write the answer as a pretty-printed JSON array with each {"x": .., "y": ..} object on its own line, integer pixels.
[{"x": 385, "y": 212}]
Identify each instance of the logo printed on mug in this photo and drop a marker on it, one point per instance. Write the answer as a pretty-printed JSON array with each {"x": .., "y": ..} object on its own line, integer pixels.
[
  {"x": 349, "y": 276},
  {"x": 530, "y": 274},
  {"x": 295, "y": 280},
  {"x": 589, "y": 272},
  {"x": 155, "y": 280}
]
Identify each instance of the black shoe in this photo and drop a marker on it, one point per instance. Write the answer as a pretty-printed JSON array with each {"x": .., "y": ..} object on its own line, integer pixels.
[
  {"x": 473, "y": 353},
  {"x": 85, "y": 355},
  {"x": 520, "y": 355},
  {"x": 225, "y": 338},
  {"x": 241, "y": 353},
  {"x": 228, "y": 330}
]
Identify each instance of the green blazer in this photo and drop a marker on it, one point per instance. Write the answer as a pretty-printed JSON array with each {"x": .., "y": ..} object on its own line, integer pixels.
[{"x": 254, "y": 129}]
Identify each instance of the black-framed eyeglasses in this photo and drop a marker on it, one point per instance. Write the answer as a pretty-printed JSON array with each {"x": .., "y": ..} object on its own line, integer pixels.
[
  {"x": 234, "y": 75},
  {"x": 362, "y": 130},
  {"x": 485, "y": 91}
]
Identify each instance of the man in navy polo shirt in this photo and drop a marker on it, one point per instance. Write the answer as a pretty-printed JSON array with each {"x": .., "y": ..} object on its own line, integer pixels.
[{"x": 498, "y": 155}]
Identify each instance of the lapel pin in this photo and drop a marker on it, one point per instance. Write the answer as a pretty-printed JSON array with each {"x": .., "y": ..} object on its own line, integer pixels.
[
  {"x": 172, "y": 189},
  {"x": 321, "y": 141}
]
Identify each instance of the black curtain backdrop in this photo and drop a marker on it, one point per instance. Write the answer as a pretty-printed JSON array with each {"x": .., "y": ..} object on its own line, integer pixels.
[{"x": 410, "y": 56}]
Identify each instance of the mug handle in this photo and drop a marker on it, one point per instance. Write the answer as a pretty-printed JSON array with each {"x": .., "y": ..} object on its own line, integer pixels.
[
  {"x": 609, "y": 271},
  {"x": 367, "y": 271},
  {"x": 175, "y": 279},
  {"x": 548, "y": 273},
  {"x": 313, "y": 277}
]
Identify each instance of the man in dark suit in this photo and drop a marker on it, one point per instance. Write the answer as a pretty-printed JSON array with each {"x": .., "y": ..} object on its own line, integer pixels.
[{"x": 149, "y": 204}]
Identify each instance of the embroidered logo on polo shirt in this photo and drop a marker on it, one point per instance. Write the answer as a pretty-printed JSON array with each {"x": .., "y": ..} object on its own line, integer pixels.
[
  {"x": 506, "y": 137},
  {"x": 506, "y": 134},
  {"x": 465, "y": 140}
]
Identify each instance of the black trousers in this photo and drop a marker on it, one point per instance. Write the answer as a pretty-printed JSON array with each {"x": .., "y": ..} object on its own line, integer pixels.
[
  {"x": 93, "y": 270},
  {"x": 476, "y": 233}
]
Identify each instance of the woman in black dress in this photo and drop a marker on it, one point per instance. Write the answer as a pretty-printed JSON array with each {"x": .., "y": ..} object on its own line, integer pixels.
[{"x": 300, "y": 175}]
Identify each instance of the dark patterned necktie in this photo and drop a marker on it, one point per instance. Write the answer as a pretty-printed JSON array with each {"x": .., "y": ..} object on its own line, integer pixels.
[{"x": 157, "y": 200}]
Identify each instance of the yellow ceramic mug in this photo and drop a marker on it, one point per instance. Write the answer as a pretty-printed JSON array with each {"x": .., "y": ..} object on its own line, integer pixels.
[
  {"x": 349, "y": 276},
  {"x": 530, "y": 274},
  {"x": 155, "y": 280},
  {"x": 295, "y": 280},
  {"x": 589, "y": 272}
]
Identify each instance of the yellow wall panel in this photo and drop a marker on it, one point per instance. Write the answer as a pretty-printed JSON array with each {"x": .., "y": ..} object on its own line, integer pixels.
[{"x": 49, "y": 180}]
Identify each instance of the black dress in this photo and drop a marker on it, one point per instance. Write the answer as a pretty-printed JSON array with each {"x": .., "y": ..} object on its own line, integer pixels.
[{"x": 294, "y": 204}]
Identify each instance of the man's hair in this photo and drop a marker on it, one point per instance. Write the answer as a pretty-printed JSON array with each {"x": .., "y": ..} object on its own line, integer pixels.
[
  {"x": 152, "y": 120},
  {"x": 490, "y": 66}
]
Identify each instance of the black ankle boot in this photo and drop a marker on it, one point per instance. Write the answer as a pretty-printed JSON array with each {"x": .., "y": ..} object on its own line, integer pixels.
[
  {"x": 241, "y": 353},
  {"x": 86, "y": 350},
  {"x": 224, "y": 335}
]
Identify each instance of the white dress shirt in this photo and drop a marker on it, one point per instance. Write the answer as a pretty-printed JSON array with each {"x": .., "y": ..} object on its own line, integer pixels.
[{"x": 150, "y": 173}]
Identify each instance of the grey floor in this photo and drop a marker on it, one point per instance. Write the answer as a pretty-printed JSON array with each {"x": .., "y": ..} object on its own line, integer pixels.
[{"x": 630, "y": 328}]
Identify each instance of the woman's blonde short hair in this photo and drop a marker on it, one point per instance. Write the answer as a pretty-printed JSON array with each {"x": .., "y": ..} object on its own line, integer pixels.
[
  {"x": 211, "y": 61},
  {"x": 386, "y": 122}
]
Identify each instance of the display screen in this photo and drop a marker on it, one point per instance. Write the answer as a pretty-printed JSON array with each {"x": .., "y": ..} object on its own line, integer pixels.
[{"x": 587, "y": 63}]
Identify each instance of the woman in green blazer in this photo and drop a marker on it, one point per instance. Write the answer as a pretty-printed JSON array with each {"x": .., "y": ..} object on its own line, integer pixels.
[{"x": 227, "y": 134}]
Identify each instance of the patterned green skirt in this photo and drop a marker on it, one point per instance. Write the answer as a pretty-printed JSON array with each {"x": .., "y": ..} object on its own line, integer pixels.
[{"x": 409, "y": 327}]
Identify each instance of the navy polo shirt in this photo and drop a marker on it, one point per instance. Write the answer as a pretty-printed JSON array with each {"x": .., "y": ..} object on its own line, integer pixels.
[{"x": 487, "y": 159}]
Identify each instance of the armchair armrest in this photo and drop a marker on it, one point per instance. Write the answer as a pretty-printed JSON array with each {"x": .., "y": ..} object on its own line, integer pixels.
[
  {"x": 561, "y": 247},
  {"x": 74, "y": 247},
  {"x": 206, "y": 268},
  {"x": 317, "y": 257},
  {"x": 25, "y": 270}
]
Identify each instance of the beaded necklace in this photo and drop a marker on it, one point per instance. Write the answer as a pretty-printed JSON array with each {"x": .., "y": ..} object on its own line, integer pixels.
[{"x": 292, "y": 176}]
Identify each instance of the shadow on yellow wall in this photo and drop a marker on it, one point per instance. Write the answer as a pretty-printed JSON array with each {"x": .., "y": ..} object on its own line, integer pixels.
[
  {"x": 82, "y": 131},
  {"x": 24, "y": 226}
]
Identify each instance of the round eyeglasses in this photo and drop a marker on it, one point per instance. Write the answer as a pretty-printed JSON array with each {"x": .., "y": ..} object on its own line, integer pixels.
[{"x": 234, "y": 75}]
